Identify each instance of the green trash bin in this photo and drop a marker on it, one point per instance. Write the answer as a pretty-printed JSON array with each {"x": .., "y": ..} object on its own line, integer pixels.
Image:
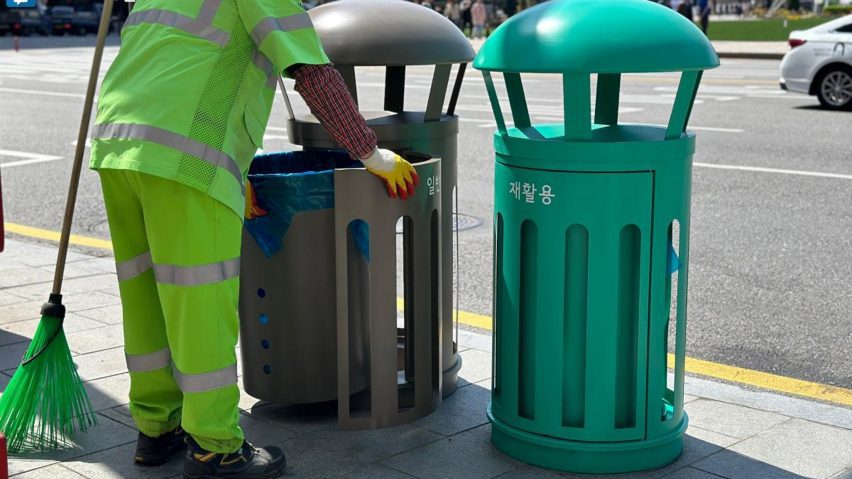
[{"x": 590, "y": 218}]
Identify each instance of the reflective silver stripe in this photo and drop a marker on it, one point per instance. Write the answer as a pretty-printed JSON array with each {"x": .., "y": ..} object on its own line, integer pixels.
[
  {"x": 196, "y": 383},
  {"x": 201, "y": 27},
  {"x": 197, "y": 275},
  {"x": 263, "y": 63},
  {"x": 140, "y": 363},
  {"x": 129, "y": 131},
  {"x": 134, "y": 267},
  {"x": 285, "y": 24}
]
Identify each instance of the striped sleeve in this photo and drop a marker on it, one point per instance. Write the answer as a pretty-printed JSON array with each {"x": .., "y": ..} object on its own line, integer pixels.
[
  {"x": 282, "y": 31},
  {"x": 324, "y": 90}
]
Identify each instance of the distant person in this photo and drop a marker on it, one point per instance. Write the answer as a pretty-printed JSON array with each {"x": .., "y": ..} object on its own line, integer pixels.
[
  {"x": 479, "y": 16},
  {"x": 453, "y": 12},
  {"x": 704, "y": 9},
  {"x": 466, "y": 22},
  {"x": 427, "y": 4},
  {"x": 685, "y": 9},
  {"x": 511, "y": 8}
]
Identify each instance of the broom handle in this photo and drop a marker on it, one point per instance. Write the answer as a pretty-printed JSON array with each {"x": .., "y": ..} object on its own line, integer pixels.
[{"x": 103, "y": 28}]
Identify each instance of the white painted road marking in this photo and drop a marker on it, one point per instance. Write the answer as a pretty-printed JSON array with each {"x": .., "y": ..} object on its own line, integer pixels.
[
  {"x": 758, "y": 169},
  {"x": 39, "y": 92},
  {"x": 713, "y": 128},
  {"x": 30, "y": 158}
]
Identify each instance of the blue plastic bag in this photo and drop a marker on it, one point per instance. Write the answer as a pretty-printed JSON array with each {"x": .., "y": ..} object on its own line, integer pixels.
[{"x": 292, "y": 182}]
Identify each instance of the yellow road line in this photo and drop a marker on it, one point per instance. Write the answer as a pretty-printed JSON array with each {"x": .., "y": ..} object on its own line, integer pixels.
[
  {"x": 773, "y": 382},
  {"x": 468, "y": 319},
  {"x": 54, "y": 236},
  {"x": 750, "y": 377}
]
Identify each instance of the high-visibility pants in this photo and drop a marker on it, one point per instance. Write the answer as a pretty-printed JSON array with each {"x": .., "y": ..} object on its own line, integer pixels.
[{"x": 177, "y": 256}]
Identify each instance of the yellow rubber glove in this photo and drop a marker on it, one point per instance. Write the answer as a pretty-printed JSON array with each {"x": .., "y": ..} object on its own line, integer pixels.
[
  {"x": 253, "y": 210},
  {"x": 399, "y": 176}
]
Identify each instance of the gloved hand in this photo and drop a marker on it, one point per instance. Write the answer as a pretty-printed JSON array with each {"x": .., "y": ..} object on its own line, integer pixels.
[{"x": 399, "y": 176}]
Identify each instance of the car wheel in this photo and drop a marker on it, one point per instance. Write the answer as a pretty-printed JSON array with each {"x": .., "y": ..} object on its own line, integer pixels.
[{"x": 834, "y": 89}]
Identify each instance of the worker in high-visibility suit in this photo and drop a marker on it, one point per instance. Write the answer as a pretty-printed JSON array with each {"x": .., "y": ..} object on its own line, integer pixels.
[{"x": 182, "y": 111}]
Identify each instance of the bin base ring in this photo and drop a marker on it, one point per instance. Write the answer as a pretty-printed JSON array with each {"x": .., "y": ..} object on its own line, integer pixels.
[
  {"x": 450, "y": 381},
  {"x": 586, "y": 457}
]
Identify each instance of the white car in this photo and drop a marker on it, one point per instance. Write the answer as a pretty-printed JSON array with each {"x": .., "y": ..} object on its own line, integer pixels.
[{"x": 820, "y": 63}]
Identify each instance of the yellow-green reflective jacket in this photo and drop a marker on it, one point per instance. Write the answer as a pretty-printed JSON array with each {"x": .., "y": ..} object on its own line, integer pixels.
[{"x": 190, "y": 92}]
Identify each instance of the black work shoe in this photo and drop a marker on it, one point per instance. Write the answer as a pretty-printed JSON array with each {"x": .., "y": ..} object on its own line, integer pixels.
[
  {"x": 156, "y": 451},
  {"x": 247, "y": 462}
]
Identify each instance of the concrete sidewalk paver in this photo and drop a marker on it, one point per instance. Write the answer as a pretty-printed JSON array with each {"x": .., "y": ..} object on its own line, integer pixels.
[
  {"x": 332, "y": 453},
  {"x": 117, "y": 463},
  {"x": 734, "y": 432},
  {"x": 56, "y": 471},
  {"x": 729, "y": 419},
  {"x": 820, "y": 451},
  {"x": 459, "y": 412},
  {"x": 469, "y": 454}
]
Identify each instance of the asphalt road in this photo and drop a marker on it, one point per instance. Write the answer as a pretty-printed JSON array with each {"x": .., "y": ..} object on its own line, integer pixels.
[{"x": 771, "y": 264}]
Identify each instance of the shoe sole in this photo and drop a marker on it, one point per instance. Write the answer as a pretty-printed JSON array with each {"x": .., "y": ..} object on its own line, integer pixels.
[{"x": 269, "y": 475}]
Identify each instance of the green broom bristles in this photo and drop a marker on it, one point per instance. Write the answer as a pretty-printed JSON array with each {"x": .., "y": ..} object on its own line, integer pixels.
[{"x": 45, "y": 402}]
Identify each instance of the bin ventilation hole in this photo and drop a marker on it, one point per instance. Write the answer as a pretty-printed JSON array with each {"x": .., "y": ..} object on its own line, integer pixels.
[
  {"x": 264, "y": 344},
  {"x": 267, "y": 369},
  {"x": 261, "y": 292},
  {"x": 264, "y": 319}
]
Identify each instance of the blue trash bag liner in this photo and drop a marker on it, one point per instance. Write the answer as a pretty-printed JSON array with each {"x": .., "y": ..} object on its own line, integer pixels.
[{"x": 292, "y": 182}]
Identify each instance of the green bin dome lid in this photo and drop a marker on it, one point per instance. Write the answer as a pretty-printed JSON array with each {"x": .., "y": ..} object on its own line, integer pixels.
[
  {"x": 597, "y": 36},
  {"x": 388, "y": 33}
]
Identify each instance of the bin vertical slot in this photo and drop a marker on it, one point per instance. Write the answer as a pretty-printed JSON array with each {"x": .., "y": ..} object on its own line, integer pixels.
[
  {"x": 353, "y": 359},
  {"x": 517, "y": 100},
  {"x": 574, "y": 332},
  {"x": 607, "y": 98},
  {"x": 578, "y": 110},
  {"x": 395, "y": 88},
  {"x": 627, "y": 330},
  {"x": 527, "y": 319},
  {"x": 435, "y": 300},
  {"x": 671, "y": 307},
  {"x": 680, "y": 331},
  {"x": 508, "y": 290},
  {"x": 405, "y": 243},
  {"x": 685, "y": 99},
  {"x": 383, "y": 333},
  {"x": 499, "y": 288}
]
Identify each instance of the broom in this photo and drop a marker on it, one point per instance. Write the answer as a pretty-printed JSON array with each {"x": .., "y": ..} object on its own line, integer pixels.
[{"x": 45, "y": 402}]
